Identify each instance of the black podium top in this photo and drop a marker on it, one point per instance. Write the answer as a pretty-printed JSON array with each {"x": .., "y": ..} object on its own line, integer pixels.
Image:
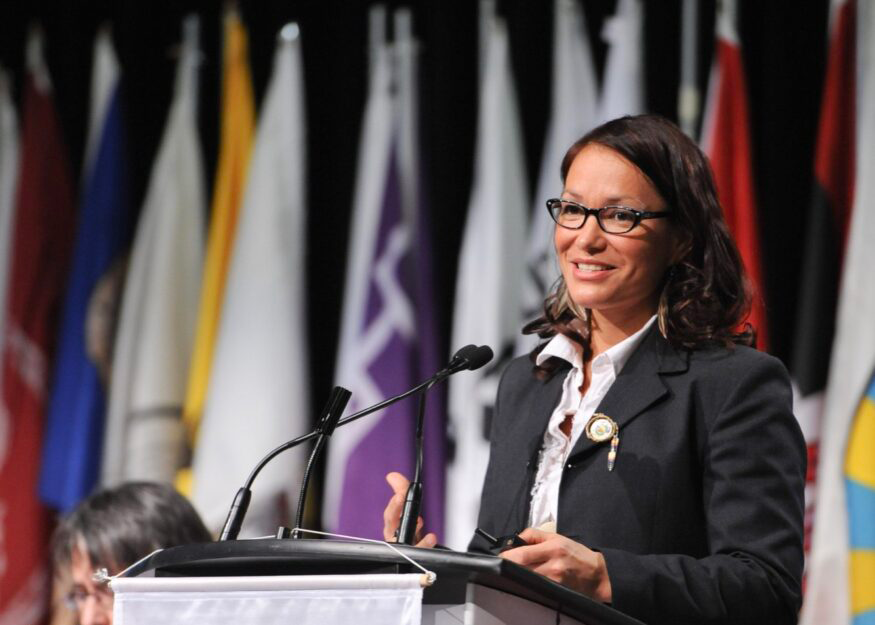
[{"x": 322, "y": 557}]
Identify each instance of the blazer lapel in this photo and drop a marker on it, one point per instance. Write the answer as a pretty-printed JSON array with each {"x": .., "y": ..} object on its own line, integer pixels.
[
  {"x": 530, "y": 431},
  {"x": 639, "y": 384}
]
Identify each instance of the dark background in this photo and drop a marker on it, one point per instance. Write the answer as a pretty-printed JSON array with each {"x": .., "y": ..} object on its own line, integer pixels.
[{"x": 784, "y": 46}]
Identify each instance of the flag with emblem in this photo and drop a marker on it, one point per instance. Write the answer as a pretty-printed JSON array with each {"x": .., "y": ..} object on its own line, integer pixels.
[
  {"x": 74, "y": 435},
  {"x": 487, "y": 306},
  {"x": 144, "y": 433},
  {"x": 388, "y": 334}
]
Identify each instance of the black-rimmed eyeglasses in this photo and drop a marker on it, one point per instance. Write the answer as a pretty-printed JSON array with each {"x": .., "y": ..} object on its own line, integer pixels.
[{"x": 611, "y": 219}]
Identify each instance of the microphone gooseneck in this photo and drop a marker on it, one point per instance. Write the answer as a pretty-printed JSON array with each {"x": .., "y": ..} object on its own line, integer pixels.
[
  {"x": 469, "y": 357},
  {"x": 337, "y": 401},
  {"x": 325, "y": 427}
]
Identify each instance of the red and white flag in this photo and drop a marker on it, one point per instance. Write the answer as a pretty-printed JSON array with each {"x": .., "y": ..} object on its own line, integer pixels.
[{"x": 43, "y": 236}]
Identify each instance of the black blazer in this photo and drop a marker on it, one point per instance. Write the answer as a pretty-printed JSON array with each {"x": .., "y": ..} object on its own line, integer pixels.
[{"x": 701, "y": 519}]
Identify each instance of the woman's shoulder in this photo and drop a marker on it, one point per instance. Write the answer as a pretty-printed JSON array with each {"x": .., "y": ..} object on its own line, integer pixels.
[
  {"x": 733, "y": 358},
  {"x": 738, "y": 369}
]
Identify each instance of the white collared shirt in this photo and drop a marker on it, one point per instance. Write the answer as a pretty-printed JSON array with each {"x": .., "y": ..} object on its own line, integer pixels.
[{"x": 556, "y": 446}]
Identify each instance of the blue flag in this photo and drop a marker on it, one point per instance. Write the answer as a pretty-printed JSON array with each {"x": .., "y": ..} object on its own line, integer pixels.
[{"x": 74, "y": 435}]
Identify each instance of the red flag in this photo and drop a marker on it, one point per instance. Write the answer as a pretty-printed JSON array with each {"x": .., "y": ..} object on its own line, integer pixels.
[
  {"x": 41, "y": 251},
  {"x": 835, "y": 162},
  {"x": 726, "y": 140},
  {"x": 827, "y": 230}
]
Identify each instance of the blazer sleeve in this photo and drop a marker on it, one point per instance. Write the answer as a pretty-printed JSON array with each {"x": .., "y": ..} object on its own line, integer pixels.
[{"x": 753, "y": 462}]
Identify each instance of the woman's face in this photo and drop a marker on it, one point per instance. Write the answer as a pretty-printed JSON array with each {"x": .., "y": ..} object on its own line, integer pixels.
[
  {"x": 618, "y": 276},
  {"x": 93, "y": 601}
]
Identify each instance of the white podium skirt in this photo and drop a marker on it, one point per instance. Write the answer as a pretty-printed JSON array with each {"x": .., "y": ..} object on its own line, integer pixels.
[{"x": 269, "y": 600}]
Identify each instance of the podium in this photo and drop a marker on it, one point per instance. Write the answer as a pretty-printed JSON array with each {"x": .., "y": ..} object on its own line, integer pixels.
[{"x": 469, "y": 588}]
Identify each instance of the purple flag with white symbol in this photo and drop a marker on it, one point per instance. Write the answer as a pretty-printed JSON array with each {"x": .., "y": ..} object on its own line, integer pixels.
[{"x": 388, "y": 341}]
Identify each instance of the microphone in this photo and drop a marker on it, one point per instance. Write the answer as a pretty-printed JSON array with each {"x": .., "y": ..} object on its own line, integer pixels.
[
  {"x": 479, "y": 356},
  {"x": 468, "y": 358},
  {"x": 328, "y": 421}
]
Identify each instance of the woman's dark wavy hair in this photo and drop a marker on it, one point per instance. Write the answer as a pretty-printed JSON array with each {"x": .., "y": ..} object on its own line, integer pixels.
[
  {"x": 117, "y": 526},
  {"x": 705, "y": 296}
]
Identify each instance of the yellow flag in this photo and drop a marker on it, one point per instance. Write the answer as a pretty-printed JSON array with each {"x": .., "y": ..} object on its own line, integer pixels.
[{"x": 238, "y": 124}]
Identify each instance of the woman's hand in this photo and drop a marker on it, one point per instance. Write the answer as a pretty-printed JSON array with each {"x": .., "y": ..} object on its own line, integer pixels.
[
  {"x": 564, "y": 561},
  {"x": 392, "y": 513}
]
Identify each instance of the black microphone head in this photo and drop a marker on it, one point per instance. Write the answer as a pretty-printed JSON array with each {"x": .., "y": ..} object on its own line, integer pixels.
[
  {"x": 333, "y": 410},
  {"x": 463, "y": 353},
  {"x": 459, "y": 361},
  {"x": 479, "y": 357}
]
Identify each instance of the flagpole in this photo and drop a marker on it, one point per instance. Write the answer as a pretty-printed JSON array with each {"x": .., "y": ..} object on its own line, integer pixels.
[
  {"x": 376, "y": 36},
  {"x": 487, "y": 17},
  {"x": 689, "y": 94}
]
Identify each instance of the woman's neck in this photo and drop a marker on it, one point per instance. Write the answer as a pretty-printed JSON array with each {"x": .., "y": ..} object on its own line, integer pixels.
[{"x": 606, "y": 330}]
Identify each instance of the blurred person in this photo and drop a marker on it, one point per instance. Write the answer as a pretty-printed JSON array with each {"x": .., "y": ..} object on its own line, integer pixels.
[{"x": 113, "y": 529}]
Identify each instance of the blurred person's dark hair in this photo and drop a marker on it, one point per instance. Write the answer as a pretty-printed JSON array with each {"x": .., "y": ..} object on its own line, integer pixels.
[{"x": 117, "y": 526}]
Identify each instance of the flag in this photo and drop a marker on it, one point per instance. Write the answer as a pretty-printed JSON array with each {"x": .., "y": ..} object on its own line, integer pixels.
[
  {"x": 726, "y": 141},
  {"x": 841, "y": 567},
  {"x": 574, "y": 98},
  {"x": 74, "y": 435},
  {"x": 41, "y": 246},
  {"x": 623, "y": 88},
  {"x": 238, "y": 123},
  {"x": 144, "y": 433},
  {"x": 827, "y": 221},
  {"x": 860, "y": 493},
  {"x": 258, "y": 389},
  {"x": 489, "y": 276},
  {"x": 388, "y": 336}
]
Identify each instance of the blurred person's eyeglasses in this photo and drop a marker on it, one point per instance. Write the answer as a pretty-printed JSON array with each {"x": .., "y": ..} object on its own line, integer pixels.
[
  {"x": 611, "y": 219},
  {"x": 79, "y": 595}
]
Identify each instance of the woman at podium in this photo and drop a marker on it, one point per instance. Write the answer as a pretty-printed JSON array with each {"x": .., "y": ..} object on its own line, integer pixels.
[{"x": 645, "y": 451}]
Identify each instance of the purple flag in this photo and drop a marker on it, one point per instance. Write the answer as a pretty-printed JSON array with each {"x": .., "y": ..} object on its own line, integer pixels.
[{"x": 388, "y": 336}]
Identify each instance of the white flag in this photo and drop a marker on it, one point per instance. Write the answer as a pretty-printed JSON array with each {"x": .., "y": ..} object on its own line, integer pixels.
[
  {"x": 489, "y": 278},
  {"x": 258, "y": 390},
  {"x": 832, "y": 595},
  {"x": 573, "y": 113},
  {"x": 623, "y": 88},
  {"x": 8, "y": 184},
  {"x": 144, "y": 437}
]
